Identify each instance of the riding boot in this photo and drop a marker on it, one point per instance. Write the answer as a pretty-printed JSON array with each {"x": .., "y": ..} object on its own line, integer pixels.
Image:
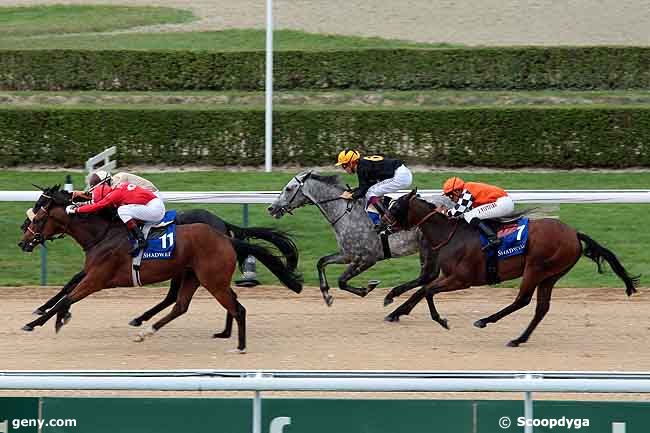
[
  {"x": 493, "y": 241},
  {"x": 386, "y": 219},
  {"x": 140, "y": 241}
]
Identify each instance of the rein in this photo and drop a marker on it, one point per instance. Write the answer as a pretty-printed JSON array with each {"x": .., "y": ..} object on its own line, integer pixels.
[
  {"x": 301, "y": 183},
  {"x": 451, "y": 234}
]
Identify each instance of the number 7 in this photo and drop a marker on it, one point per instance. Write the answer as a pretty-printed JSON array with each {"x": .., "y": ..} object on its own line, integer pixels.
[{"x": 520, "y": 231}]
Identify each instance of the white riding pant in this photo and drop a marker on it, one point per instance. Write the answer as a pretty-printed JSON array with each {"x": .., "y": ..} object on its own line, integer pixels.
[
  {"x": 151, "y": 212},
  {"x": 401, "y": 180},
  {"x": 500, "y": 208}
]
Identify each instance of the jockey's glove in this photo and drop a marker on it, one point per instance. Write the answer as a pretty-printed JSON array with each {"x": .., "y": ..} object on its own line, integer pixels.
[{"x": 71, "y": 209}]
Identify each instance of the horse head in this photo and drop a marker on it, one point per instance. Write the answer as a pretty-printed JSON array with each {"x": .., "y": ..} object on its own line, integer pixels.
[
  {"x": 410, "y": 210},
  {"x": 46, "y": 219},
  {"x": 307, "y": 187}
]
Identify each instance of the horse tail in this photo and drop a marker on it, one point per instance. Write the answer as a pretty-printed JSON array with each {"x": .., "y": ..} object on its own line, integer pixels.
[
  {"x": 278, "y": 238},
  {"x": 289, "y": 277},
  {"x": 598, "y": 253}
]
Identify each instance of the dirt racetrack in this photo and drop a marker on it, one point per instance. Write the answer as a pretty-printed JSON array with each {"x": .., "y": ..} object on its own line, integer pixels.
[{"x": 586, "y": 329}]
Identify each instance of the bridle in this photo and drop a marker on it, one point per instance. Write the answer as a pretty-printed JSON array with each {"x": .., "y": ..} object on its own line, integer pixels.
[
  {"x": 427, "y": 217},
  {"x": 38, "y": 237},
  {"x": 301, "y": 183}
]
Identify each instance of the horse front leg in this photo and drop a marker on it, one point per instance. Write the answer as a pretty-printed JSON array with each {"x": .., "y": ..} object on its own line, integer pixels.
[
  {"x": 87, "y": 286},
  {"x": 441, "y": 284},
  {"x": 358, "y": 266},
  {"x": 64, "y": 291},
  {"x": 337, "y": 258},
  {"x": 429, "y": 271}
]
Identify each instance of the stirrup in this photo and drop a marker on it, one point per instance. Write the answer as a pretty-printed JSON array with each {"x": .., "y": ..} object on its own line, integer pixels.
[
  {"x": 491, "y": 244},
  {"x": 140, "y": 245}
]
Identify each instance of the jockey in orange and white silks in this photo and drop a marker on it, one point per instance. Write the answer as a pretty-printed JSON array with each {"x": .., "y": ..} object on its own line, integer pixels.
[
  {"x": 378, "y": 176},
  {"x": 478, "y": 201}
]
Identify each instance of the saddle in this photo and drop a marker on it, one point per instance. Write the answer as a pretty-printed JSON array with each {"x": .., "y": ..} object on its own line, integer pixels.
[{"x": 513, "y": 232}]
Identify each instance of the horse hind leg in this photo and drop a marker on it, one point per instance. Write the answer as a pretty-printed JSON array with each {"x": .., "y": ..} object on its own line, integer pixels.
[
  {"x": 227, "y": 331},
  {"x": 188, "y": 288},
  {"x": 543, "y": 304},
  {"x": 527, "y": 287},
  {"x": 170, "y": 298},
  {"x": 228, "y": 299}
]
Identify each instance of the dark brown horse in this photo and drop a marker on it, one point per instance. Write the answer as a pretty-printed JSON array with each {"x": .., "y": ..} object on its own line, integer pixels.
[
  {"x": 553, "y": 249},
  {"x": 202, "y": 256},
  {"x": 277, "y": 238}
]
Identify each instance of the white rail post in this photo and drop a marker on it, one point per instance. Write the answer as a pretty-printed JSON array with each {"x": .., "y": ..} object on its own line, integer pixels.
[
  {"x": 103, "y": 158},
  {"x": 528, "y": 405},
  {"x": 257, "y": 407},
  {"x": 268, "y": 146}
]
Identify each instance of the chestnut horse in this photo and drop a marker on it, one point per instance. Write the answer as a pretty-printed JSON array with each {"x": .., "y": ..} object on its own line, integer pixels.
[
  {"x": 202, "y": 256},
  {"x": 553, "y": 249}
]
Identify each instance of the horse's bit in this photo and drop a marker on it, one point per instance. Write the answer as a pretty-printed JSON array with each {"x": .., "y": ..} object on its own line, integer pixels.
[
  {"x": 301, "y": 183},
  {"x": 38, "y": 238}
]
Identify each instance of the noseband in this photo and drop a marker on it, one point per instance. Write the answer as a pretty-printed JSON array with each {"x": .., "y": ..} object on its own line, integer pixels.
[
  {"x": 38, "y": 238},
  {"x": 301, "y": 183}
]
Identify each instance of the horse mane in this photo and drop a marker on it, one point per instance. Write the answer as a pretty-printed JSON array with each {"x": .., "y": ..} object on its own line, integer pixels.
[{"x": 329, "y": 179}]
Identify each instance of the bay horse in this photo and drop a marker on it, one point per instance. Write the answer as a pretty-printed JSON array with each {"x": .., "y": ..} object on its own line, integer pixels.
[
  {"x": 202, "y": 256},
  {"x": 553, "y": 249},
  {"x": 277, "y": 238}
]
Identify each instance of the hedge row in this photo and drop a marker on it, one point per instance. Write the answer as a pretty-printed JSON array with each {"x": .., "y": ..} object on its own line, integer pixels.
[
  {"x": 404, "y": 69},
  {"x": 500, "y": 137}
]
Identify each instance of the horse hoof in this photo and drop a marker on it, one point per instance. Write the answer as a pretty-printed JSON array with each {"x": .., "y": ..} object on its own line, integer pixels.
[
  {"x": 329, "y": 300},
  {"x": 142, "y": 335},
  {"x": 38, "y": 312},
  {"x": 28, "y": 328},
  {"x": 513, "y": 343},
  {"x": 372, "y": 284},
  {"x": 391, "y": 319},
  {"x": 480, "y": 324},
  {"x": 388, "y": 301},
  {"x": 135, "y": 323},
  {"x": 221, "y": 335},
  {"x": 444, "y": 324},
  {"x": 67, "y": 318},
  {"x": 238, "y": 351}
]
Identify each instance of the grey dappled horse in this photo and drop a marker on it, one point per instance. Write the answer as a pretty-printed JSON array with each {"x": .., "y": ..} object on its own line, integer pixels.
[{"x": 359, "y": 245}]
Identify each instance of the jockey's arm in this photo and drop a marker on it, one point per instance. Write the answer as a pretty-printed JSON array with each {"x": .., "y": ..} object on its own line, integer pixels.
[
  {"x": 111, "y": 199},
  {"x": 78, "y": 196},
  {"x": 464, "y": 203},
  {"x": 364, "y": 184}
]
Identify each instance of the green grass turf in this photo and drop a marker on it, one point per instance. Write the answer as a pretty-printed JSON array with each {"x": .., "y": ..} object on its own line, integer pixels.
[
  {"x": 618, "y": 227},
  {"x": 224, "y": 40},
  {"x": 18, "y": 24}
]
